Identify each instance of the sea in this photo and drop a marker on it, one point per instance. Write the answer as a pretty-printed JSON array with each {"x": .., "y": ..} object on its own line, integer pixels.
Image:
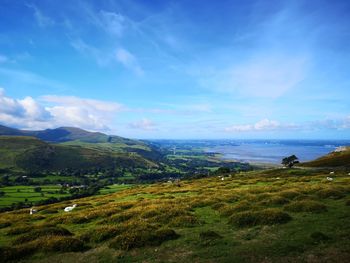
[{"x": 273, "y": 151}]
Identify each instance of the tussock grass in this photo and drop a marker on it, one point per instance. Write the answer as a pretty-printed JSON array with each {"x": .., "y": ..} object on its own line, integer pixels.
[
  {"x": 142, "y": 237},
  {"x": 264, "y": 217},
  {"x": 4, "y": 224},
  {"x": 319, "y": 237},
  {"x": 248, "y": 207},
  {"x": 290, "y": 193},
  {"x": 184, "y": 221},
  {"x": 20, "y": 229},
  {"x": 100, "y": 234},
  {"x": 275, "y": 200},
  {"x": 209, "y": 237},
  {"x": 306, "y": 206},
  {"x": 44, "y": 244},
  {"x": 41, "y": 232},
  {"x": 332, "y": 193}
]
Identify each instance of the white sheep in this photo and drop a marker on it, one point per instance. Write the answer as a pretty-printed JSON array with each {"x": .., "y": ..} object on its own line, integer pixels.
[
  {"x": 69, "y": 208},
  {"x": 329, "y": 178},
  {"x": 32, "y": 211},
  {"x": 222, "y": 178},
  {"x": 331, "y": 172}
]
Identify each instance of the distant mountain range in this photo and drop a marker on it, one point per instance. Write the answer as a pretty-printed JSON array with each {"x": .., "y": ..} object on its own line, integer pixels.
[{"x": 65, "y": 134}]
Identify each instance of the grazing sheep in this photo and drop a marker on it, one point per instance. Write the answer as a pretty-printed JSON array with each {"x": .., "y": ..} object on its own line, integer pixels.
[
  {"x": 329, "y": 178},
  {"x": 69, "y": 208},
  {"x": 32, "y": 211},
  {"x": 222, "y": 178},
  {"x": 331, "y": 172}
]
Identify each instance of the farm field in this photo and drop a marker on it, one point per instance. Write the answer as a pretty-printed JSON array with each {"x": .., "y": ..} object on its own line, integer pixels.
[
  {"x": 25, "y": 194},
  {"x": 279, "y": 215}
]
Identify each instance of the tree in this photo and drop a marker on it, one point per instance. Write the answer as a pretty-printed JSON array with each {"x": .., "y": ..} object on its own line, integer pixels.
[{"x": 290, "y": 161}]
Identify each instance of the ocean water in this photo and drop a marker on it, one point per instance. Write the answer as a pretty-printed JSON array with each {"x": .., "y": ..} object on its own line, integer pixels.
[{"x": 271, "y": 151}]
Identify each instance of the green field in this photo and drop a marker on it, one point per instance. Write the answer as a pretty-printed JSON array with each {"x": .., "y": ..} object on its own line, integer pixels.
[
  {"x": 16, "y": 194},
  {"x": 280, "y": 215}
]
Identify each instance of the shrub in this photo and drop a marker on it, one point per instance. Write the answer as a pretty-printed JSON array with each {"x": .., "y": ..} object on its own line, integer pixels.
[
  {"x": 264, "y": 217},
  {"x": 306, "y": 206}
]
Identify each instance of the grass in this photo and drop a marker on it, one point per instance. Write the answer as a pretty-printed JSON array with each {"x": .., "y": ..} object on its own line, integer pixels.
[
  {"x": 249, "y": 217},
  {"x": 16, "y": 194},
  {"x": 114, "y": 188}
]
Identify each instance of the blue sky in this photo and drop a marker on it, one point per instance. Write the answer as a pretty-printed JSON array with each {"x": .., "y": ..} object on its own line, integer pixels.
[{"x": 178, "y": 69}]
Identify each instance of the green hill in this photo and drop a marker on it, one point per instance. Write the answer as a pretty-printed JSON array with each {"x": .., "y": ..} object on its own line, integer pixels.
[
  {"x": 64, "y": 134},
  {"x": 71, "y": 136},
  {"x": 32, "y": 154},
  {"x": 338, "y": 158}
]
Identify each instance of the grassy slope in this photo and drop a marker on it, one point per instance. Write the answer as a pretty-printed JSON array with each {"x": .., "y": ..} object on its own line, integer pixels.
[
  {"x": 333, "y": 159},
  {"x": 12, "y": 146},
  {"x": 215, "y": 220},
  {"x": 19, "y": 151}
]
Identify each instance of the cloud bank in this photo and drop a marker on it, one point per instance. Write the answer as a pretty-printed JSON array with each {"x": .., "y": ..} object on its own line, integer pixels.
[{"x": 53, "y": 111}]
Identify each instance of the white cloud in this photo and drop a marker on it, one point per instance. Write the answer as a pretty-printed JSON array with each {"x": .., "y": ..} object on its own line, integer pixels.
[
  {"x": 100, "y": 57},
  {"x": 262, "y": 125},
  {"x": 144, "y": 124},
  {"x": 53, "y": 111},
  {"x": 41, "y": 19},
  {"x": 24, "y": 113},
  {"x": 268, "y": 76},
  {"x": 128, "y": 60}
]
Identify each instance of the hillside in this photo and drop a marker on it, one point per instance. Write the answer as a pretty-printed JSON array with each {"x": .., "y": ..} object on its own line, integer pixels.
[
  {"x": 338, "y": 158},
  {"x": 33, "y": 155},
  {"x": 283, "y": 215},
  {"x": 64, "y": 134},
  {"x": 91, "y": 140}
]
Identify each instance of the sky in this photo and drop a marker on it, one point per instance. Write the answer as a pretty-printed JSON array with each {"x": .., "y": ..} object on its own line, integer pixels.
[{"x": 239, "y": 69}]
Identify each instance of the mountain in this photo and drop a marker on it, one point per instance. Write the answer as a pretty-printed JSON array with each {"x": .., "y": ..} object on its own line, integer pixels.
[
  {"x": 71, "y": 148},
  {"x": 93, "y": 140},
  {"x": 34, "y": 155},
  {"x": 338, "y": 158},
  {"x": 65, "y": 134}
]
